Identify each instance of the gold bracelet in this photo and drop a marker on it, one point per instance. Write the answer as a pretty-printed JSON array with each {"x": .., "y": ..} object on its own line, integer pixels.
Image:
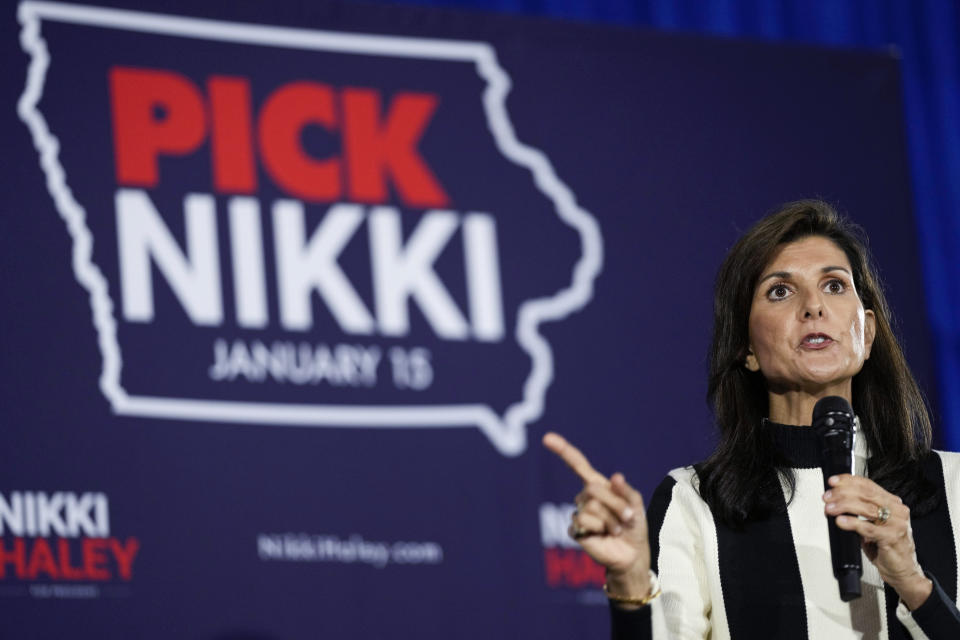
[{"x": 630, "y": 600}]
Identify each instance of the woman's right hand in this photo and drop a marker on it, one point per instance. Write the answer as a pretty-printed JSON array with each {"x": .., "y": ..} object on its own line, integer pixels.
[{"x": 609, "y": 523}]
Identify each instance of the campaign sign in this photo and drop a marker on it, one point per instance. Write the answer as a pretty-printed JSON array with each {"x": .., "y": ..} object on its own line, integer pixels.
[
  {"x": 295, "y": 289},
  {"x": 317, "y": 246}
]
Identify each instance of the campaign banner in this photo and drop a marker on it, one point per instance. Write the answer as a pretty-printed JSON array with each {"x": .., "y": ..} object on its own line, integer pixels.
[{"x": 296, "y": 290}]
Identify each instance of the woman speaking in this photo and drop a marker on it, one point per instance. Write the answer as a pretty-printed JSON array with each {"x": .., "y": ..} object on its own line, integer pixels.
[{"x": 738, "y": 546}]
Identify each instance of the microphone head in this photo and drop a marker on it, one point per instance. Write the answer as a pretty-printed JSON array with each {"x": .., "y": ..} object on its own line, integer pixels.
[{"x": 835, "y": 409}]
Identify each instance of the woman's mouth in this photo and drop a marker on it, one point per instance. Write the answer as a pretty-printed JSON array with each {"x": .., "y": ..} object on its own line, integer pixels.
[{"x": 816, "y": 341}]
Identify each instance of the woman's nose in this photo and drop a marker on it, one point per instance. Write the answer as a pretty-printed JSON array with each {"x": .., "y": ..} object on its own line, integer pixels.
[{"x": 812, "y": 307}]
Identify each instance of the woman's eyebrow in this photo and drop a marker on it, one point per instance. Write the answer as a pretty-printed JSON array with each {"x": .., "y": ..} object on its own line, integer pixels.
[
  {"x": 836, "y": 268},
  {"x": 783, "y": 275}
]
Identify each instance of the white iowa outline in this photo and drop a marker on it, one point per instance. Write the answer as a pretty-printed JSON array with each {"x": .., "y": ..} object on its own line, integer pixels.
[{"x": 508, "y": 434}]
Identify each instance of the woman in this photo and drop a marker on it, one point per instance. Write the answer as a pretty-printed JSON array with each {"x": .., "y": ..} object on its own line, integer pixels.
[{"x": 737, "y": 547}]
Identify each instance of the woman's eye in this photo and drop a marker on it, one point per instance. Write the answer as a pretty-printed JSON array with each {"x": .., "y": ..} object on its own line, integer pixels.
[
  {"x": 836, "y": 286},
  {"x": 778, "y": 292}
]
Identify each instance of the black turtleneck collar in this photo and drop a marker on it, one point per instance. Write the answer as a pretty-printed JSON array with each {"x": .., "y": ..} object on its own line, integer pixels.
[{"x": 800, "y": 446}]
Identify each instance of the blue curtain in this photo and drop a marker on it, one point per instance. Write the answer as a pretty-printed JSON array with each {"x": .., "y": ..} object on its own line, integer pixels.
[{"x": 926, "y": 33}]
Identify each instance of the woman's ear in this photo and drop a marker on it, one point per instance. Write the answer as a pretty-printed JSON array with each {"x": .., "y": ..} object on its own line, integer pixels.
[
  {"x": 869, "y": 331},
  {"x": 750, "y": 362}
]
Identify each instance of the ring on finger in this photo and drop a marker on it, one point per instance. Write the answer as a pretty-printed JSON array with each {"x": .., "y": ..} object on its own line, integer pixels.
[
  {"x": 883, "y": 514},
  {"x": 577, "y": 532}
]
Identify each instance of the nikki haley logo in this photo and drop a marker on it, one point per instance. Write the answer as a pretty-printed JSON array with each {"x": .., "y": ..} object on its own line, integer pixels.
[
  {"x": 295, "y": 227},
  {"x": 61, "y": 537}
]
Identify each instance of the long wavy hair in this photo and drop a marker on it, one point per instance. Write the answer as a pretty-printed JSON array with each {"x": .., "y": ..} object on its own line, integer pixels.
[{"x": 737, "y": 479}]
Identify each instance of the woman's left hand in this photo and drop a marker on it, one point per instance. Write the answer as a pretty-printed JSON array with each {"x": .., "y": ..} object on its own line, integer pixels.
[{"x": 887, "y": 543}]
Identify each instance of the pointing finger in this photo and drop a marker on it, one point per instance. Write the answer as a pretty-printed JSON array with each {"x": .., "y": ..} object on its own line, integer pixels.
[{"x": 572, "y": 456}]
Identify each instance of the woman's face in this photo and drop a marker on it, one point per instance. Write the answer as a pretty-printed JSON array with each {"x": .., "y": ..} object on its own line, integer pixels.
[{"x": 808, "y": 328}]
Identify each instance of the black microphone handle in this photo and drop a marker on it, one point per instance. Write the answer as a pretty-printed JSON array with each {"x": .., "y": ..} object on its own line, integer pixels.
[{"x": 844, "y": 545}]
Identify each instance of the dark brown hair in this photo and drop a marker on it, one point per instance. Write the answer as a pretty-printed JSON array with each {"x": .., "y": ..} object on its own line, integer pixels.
[{"x": 737, "y": 479}]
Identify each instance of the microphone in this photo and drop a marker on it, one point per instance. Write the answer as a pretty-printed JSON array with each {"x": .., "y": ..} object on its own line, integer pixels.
[{"x": 833, "y": 419}]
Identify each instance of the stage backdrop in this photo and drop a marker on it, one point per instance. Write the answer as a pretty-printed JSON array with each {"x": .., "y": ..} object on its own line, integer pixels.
[{"x": 293, "y": 291}]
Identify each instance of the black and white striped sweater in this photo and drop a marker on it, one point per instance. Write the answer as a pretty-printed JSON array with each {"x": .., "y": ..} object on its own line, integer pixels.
[{"x": 774, "y": 579}]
